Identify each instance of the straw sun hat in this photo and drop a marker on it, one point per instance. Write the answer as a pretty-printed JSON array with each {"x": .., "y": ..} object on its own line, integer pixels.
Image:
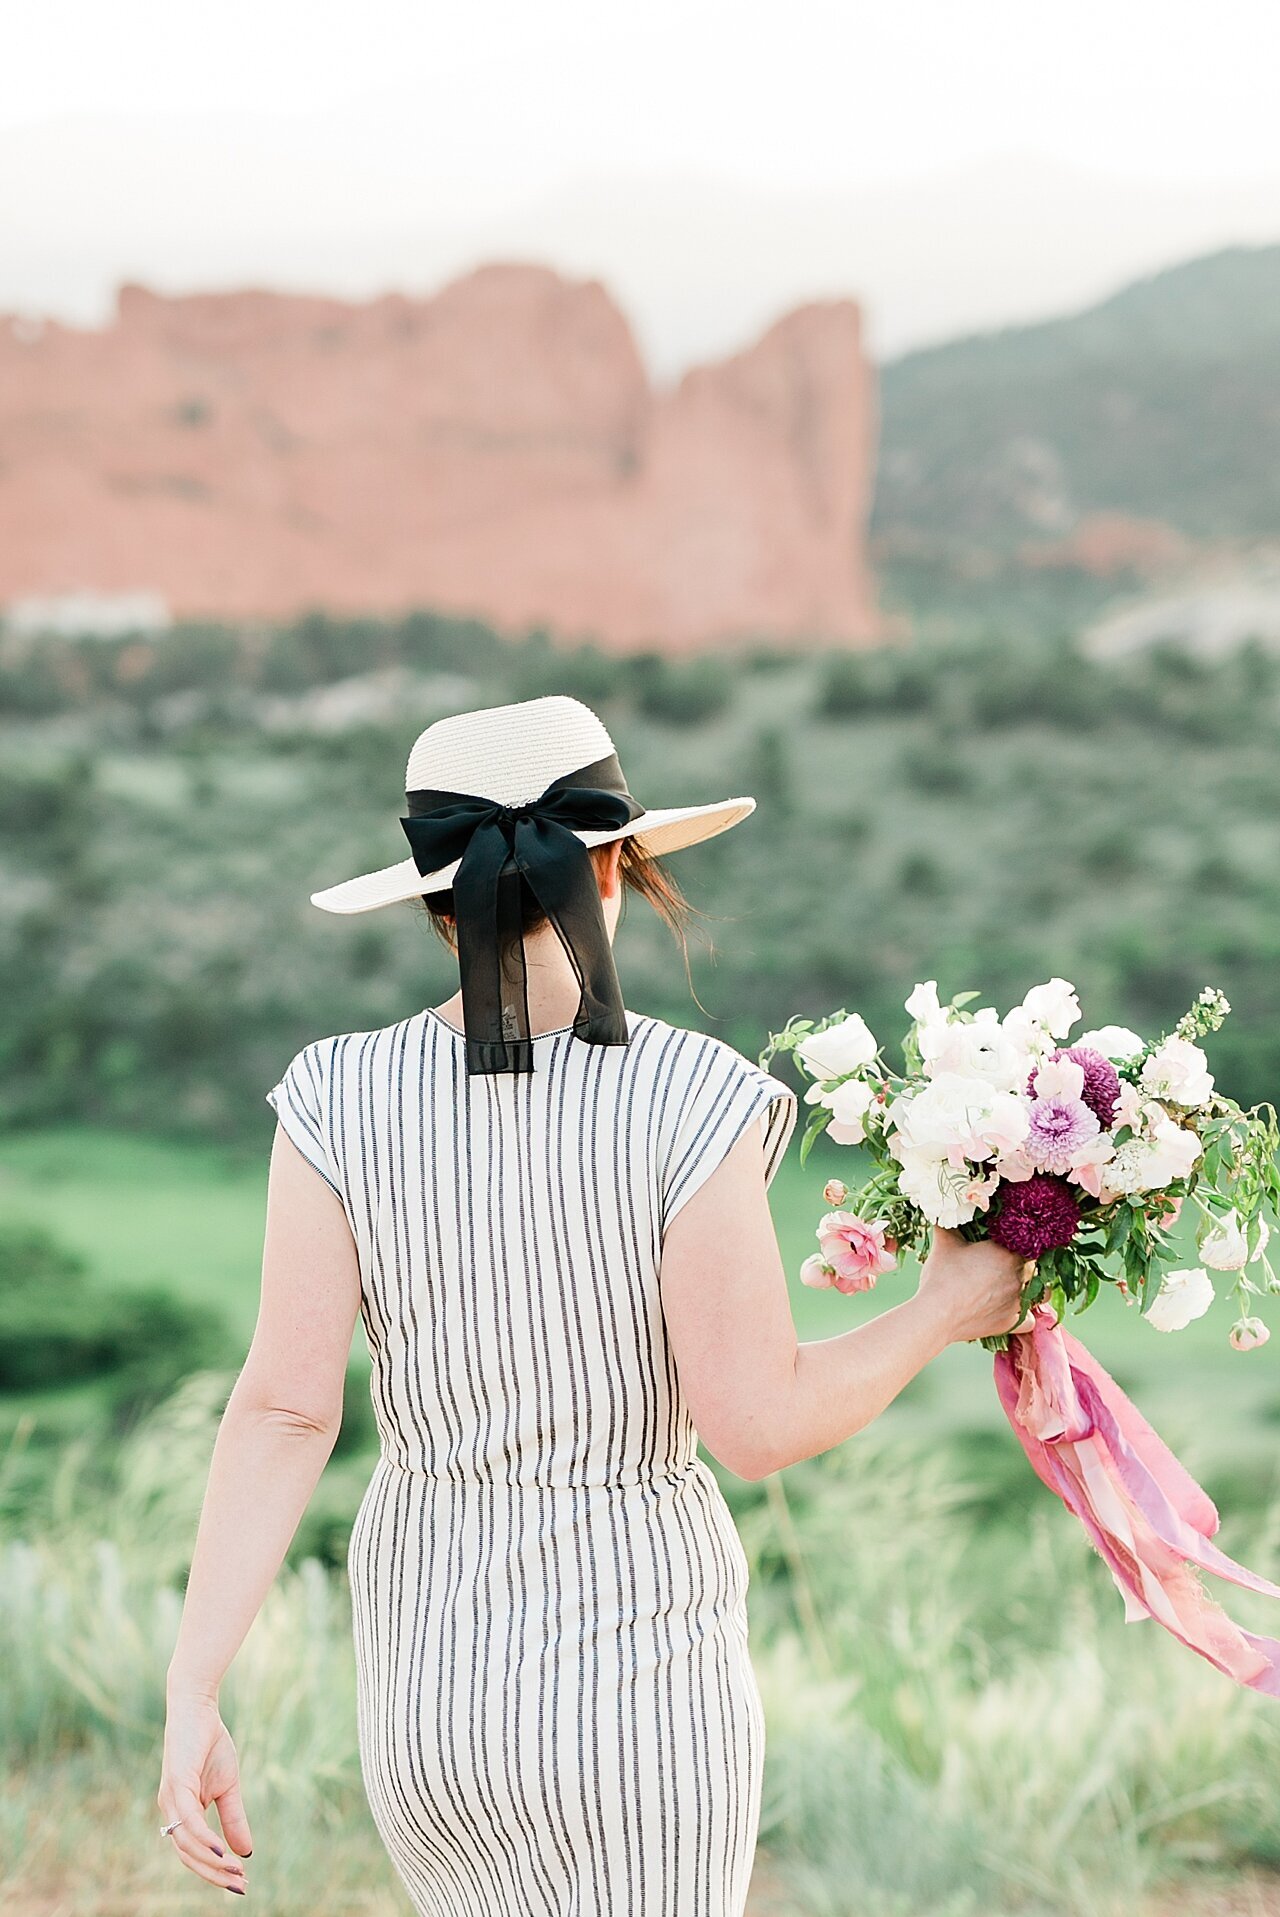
[
  {"x": 510, "y": 755},
  {"x": 503, "y": 802}
]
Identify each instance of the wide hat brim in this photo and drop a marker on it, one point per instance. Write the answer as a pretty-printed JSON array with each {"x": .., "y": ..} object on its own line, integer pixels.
[{"x": 659, "y": 831}]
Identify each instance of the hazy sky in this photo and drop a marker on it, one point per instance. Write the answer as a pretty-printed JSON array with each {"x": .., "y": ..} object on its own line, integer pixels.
[{"x": 952, "y": 164}]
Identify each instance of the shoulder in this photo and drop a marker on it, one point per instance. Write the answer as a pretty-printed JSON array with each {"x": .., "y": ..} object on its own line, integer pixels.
[
  {"x": 702, "y": 1057},
  {"x": 320, "y": 1074},
  {"x": 341, "y": 1048},
  {"x": 711, "y": 1093}
]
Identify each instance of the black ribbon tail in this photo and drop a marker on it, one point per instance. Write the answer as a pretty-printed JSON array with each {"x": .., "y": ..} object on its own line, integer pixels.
[
  {"x": 495, "y": 990},
  {"x": 563, "y": 881}
]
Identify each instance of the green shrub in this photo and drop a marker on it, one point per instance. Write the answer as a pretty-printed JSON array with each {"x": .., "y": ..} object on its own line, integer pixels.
[{"x": 59, "y": 1327}]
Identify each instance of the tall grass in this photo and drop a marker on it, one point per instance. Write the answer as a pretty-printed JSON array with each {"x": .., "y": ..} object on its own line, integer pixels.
[{"x": 959, "y": 1720}]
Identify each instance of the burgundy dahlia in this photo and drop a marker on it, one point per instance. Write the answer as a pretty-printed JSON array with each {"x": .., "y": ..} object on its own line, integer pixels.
[
  {"x": 1101, "y": 1090},
  {"x": 1036, "y": 1215}
]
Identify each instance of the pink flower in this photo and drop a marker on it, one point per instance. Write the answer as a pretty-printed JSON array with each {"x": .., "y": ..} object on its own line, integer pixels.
[
  {"x": 1061, "y": 1130},
  {"x": 856, "y": 1251},
  {"x": 835, "y": 1191},
  {"x": 1249, "y": 1334}
]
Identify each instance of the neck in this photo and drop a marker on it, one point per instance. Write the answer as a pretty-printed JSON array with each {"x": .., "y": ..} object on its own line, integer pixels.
[{"x": 553, "y": 988}]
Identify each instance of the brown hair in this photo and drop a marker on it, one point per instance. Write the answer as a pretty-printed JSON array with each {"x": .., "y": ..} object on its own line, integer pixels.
[{"x": 640, "y": 873}]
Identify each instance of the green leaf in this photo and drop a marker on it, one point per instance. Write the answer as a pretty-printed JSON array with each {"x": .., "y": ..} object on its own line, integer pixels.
[
  {"x": 1091, "y": 1291},
  {"x": 964, "y": 998}
]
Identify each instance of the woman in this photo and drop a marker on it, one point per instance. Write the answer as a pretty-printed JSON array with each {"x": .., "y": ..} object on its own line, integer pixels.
[{"x": 550, "y": 1213}]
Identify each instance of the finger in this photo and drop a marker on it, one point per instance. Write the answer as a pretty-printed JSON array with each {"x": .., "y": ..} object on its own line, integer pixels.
[
  {"x": 234, "y": 1820},
  {"x": 197, "y": 1844},
  {"x": 227, "y": 1875}
]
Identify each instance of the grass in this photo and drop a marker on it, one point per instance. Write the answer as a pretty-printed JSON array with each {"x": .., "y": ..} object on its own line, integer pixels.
[
  {"x": 959, "y": 1720},
  {"x": 948, "y": 1733}
]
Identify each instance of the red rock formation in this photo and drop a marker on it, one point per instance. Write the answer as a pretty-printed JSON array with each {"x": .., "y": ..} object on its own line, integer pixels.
[
  {"x": 496, "y": 450},
  {"x": 1109, "y": 545}
]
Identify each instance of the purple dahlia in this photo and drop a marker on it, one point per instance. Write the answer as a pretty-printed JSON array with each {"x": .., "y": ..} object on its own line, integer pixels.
[
  {"x": 1101, "y": 1090},
  {"x": 1036, "y": 1215}
]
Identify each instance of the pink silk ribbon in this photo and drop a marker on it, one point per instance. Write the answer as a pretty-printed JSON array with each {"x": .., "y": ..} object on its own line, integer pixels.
[{"x": 1149, "y": 1519}]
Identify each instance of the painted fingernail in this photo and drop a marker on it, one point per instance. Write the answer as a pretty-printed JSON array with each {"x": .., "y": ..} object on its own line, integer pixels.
[{"x": 216, "y": 1851}]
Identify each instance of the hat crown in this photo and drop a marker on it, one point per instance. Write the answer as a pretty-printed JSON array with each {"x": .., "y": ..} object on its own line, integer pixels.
[{"x": 509, "y": 754}]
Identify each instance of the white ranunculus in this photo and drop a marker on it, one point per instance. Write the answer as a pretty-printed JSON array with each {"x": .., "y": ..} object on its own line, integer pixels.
[
  {"x": 1054, "y": 1007},
  {"x": 1113, "y": 1041},
  {"x": 1179, "y": 1071},
  {"x": 976, "y": 1048},
  {"x": 954, "y": 1116},
  {"x": 840, "y": 1049},
  {"x": 924, "y": 1004},
  {"x": 1183, "y": 1295},
  {"x": 848, "y": 1104},
  {"x": 1223, "y": 1247},
  {"x": 947, "y": 1194}
]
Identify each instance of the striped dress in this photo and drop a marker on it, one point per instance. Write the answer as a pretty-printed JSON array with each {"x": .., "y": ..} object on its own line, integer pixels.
[{"x": 557, "y": 1713}]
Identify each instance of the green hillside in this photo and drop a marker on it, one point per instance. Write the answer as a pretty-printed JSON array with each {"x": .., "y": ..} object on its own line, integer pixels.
[
  {"x": 1162, "y": 402},
  {"x": 986, "y": 815}
]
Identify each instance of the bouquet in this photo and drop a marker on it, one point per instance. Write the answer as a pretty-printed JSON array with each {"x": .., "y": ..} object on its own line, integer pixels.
[{"x": 1081, "y": 1155}]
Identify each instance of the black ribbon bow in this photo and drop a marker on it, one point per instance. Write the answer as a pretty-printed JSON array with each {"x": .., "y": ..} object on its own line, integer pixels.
[{"x": 498, "y": 846}]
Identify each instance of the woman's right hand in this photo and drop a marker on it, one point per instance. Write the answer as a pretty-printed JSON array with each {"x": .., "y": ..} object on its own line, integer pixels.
[
  {"x": 976, "y": 1288},
  {"x": 200, "y": 1768}
]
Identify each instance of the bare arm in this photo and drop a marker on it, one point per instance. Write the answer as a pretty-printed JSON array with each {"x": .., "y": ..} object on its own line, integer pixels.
[
  {"x": 759, "y": 1399},
  {"x": 273, "y": 1442}
]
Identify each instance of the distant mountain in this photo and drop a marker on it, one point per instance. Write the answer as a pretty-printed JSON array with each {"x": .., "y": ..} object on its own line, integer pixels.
[
  {"x": 495, "y": 450},
  {"x": 1104, "y": 439}
]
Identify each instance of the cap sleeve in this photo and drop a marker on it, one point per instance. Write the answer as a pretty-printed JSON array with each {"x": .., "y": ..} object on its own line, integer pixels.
[
  {"x": 300, "y": 1102},
  {"x": 725, "y": 1095}
]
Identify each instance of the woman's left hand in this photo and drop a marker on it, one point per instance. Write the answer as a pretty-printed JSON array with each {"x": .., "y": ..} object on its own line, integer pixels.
[{"x": 200, "y": 1768}]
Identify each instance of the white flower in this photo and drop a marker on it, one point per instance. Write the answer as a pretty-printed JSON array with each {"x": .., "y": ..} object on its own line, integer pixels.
[
  {"x": 848, "y": 1105},
  {"x": 1179, "y": 1071},
  {"x": 976, "y": 1048},
  {"x": 1183, "y": 1295},
  {"x": 1090, "y": 1167},
  {"x": 816, "y": 1272},
  {"x": 1113, "y": 1041},
  {"x": 924, "y": 1004},
  {"x": 1060, "y": 1078},
  {"x": 1053, "y": 1007},
  {"x": 1156, "y": 1158},
  {"x": 840, "y": 1049},
  {"x": 947, "y": 1194},
  {"x": 959, "y": 1118},
  {"x": 1248, "y": 1334},
  {"x": 1223, "y": 1247}
]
